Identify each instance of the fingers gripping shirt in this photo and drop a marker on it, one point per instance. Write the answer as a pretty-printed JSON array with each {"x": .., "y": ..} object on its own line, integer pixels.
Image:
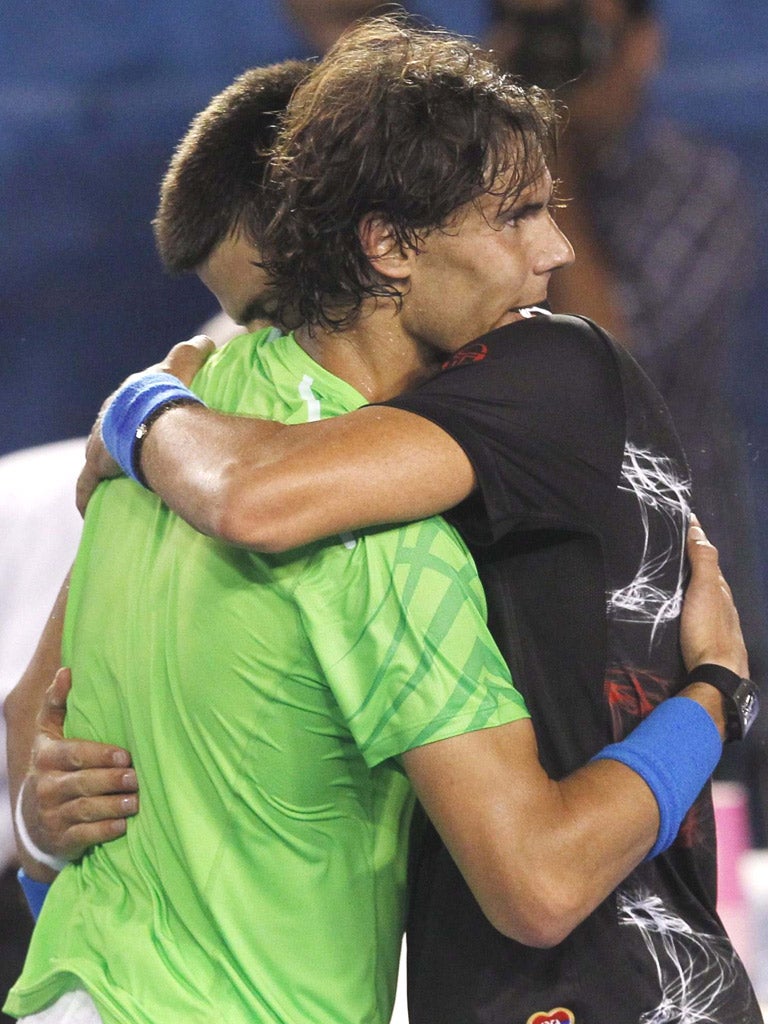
[{"x": 264, "y": 700}]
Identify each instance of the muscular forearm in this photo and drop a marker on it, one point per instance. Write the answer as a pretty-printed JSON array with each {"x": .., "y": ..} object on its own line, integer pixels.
[
  {"x": 205, "y": 466},
  {"x": 273, "y": 487},
  {"x": 540, "y": 855}
]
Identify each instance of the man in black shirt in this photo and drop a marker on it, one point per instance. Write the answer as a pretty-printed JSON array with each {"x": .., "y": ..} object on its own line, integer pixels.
[{"x": 577, "y": 526}]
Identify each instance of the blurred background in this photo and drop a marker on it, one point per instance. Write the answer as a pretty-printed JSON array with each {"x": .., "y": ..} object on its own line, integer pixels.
[{"x": 666, "y": 158}]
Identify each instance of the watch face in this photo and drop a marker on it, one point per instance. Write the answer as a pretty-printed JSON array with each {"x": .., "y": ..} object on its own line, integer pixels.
[{"x": 748, "y": 703}]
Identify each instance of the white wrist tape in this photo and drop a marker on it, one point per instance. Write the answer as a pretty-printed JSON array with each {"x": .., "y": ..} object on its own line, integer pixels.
[{"x": 54, "y": 863}]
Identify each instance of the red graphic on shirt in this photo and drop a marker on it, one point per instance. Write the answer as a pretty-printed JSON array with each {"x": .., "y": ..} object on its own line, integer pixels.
[
  {"x": 557, "y": 1016},
  {"x": 632, "y": 695},
  {"x": 472, "y": 353}
]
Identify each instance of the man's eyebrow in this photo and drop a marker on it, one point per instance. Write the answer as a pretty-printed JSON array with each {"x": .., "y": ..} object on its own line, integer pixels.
[
  {"x": 531, "y": 206},
  {"x": 522, "y": 207},
  {"x": 525, "y": 203}
]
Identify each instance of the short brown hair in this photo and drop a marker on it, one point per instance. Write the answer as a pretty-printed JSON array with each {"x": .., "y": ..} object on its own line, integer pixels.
[
  {"x": 408, "y": 122},
  {"x": 214, "y": 183}
]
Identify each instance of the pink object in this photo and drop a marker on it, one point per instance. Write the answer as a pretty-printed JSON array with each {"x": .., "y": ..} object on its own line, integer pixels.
[
  {"x": 733, "y": 838},
  {"x": 733, "y": 841}
]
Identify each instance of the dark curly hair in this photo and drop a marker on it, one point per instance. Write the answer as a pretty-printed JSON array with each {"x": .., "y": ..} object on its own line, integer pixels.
[
  {"x": 214, "y": 183},
  {"x": 408, "y": 122}
]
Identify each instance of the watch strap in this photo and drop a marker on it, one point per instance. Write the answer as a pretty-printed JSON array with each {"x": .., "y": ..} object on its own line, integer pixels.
[
  {"x": 725, "y": 679},
  {"x": 742, "y": 700}
]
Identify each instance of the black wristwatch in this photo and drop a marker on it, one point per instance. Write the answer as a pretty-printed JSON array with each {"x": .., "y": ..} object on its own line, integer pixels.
[{"x": 742, "y": 700}]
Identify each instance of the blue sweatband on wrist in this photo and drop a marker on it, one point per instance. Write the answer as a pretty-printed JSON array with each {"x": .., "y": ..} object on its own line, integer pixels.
[
  {"x": 138, "y": 401},
  {"x": 674, "y": 750},
  {"x": 35, "y": 892}
]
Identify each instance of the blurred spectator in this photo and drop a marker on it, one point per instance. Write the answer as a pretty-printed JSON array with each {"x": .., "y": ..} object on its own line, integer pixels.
[
  {"x": 714, "y": 79},
  {"x": 665, "y": 240}
]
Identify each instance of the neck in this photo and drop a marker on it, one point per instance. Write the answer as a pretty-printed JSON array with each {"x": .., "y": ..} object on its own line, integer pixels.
[{"x": 374, "y": 355}]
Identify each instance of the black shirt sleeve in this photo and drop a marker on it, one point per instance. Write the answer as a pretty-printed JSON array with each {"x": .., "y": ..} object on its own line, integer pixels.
[{"x": 538, "y": 408}]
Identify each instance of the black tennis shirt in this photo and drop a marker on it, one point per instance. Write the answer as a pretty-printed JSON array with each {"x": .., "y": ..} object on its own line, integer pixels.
[{"x": 578, "y": 528}]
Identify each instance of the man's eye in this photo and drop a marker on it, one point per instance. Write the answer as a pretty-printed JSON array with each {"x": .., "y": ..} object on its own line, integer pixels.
[{"x": 515, "y": 216}]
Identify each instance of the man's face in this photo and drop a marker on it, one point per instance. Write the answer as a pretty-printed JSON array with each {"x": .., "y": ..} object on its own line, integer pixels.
[
  {"x": 604, "y": 103},
  {"x": 241, "y": 288},
  {"x": 474, "y": 275},
  {"x": 620, "y": 55}
]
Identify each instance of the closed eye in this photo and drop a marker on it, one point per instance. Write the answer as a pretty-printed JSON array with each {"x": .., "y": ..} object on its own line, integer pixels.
[{"x": 525, "y": 212}]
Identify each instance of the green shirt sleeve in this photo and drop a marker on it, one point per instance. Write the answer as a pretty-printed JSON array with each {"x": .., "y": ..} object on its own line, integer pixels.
[{"x": 399, "y": 628}]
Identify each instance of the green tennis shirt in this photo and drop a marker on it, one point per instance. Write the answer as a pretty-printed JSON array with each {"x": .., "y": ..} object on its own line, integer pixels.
[{"x": 265, "y": 700}]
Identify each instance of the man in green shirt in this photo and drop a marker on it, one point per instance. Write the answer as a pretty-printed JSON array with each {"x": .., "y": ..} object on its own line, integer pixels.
[{"x": 265, "y": 701}]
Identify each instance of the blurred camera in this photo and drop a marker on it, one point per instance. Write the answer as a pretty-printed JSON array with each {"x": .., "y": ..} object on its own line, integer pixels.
[{"x": 551, "y": 47}]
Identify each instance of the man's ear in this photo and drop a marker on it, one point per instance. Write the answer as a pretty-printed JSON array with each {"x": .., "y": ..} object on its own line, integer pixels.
[{"x": 381, "y": 248}]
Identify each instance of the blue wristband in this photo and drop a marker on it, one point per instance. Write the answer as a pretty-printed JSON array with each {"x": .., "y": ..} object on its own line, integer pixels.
[
  {"x": 35, "y": 892},
  {"x": 137, "y": 402},
  {"x": 674, "y": 750}
]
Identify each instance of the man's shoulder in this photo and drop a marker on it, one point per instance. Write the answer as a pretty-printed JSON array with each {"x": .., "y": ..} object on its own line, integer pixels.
[
  {"x": 243, "y": 346},
  {"x": 268, "y": 374},
  {"x": 247, "y": 374},
  {"x": 424, "y": 557},
  {"x": 542, "y": 355},
  {"x": 537, "y": 335}
]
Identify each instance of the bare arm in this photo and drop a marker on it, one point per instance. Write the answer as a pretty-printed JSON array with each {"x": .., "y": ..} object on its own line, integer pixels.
[
  {"x": 21, "y": 707},
  {"x": 77, "y": 792},
  {"x": 274, "y": 487},
  {"x": 540, "y": 855},
  {"x": 258, "y": 484}
]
